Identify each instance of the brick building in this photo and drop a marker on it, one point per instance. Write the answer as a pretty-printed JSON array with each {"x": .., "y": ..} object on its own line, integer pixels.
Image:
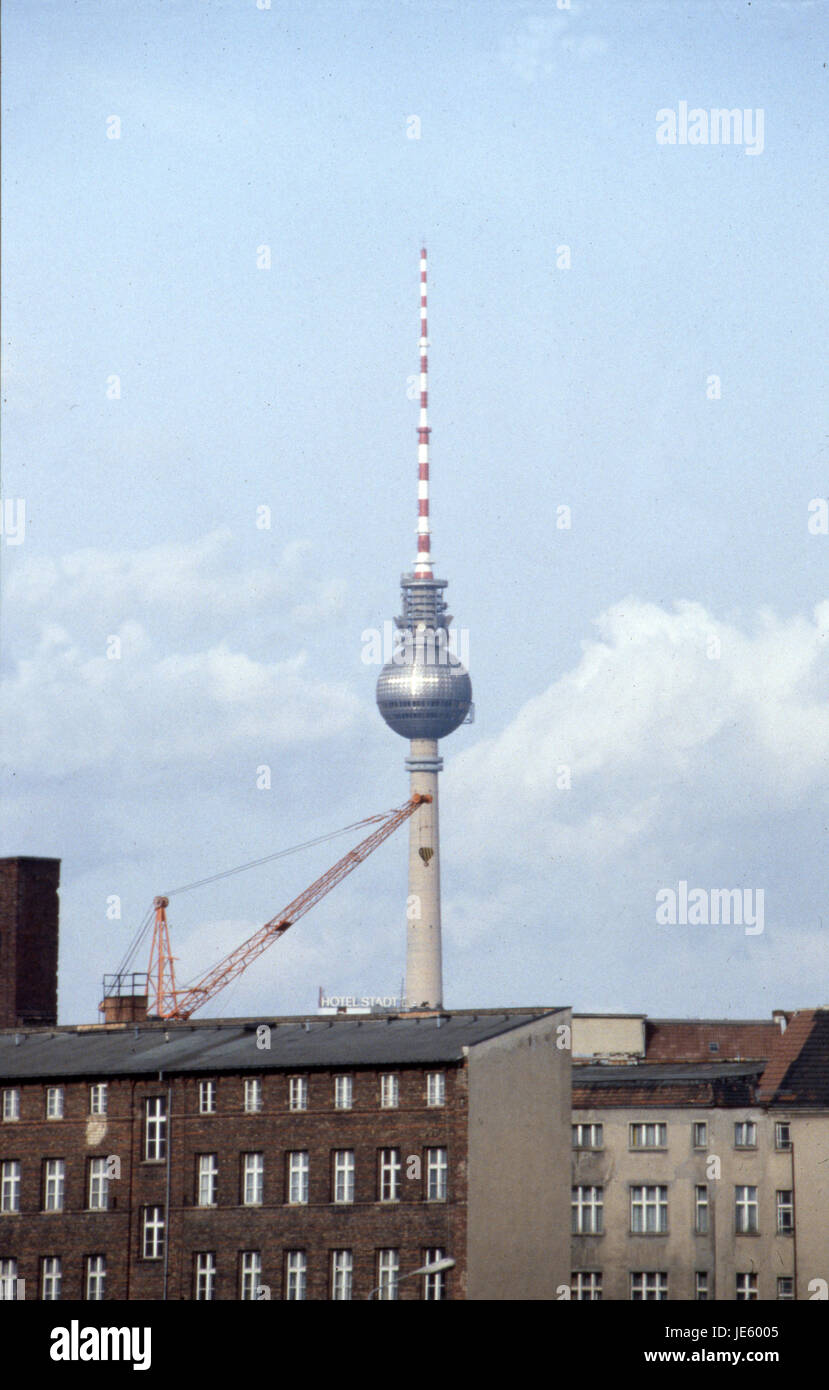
[
  {"x": 28, "y": 941},
  {"x": 310, "y": 1158}
]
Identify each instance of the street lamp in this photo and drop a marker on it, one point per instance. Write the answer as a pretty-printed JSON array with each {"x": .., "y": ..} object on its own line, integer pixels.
[{"x": 437, "y": 1267}]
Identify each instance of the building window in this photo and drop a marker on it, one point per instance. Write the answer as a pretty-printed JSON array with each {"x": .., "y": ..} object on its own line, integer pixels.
[
  {"x": 701, "y": 1286},
  {"x": 54, "y": 1173},
  {"x": 253, "y": 1095},
  {"x": 10, "y": 1186},
  {"x": 747, "y": 1288},
  {"x": 344, "y": 1175},
  {"x": 343, "y": 1092},
  {"x": 785, "y": 1213},
  {"x": 54, "y": 1102},
  {"x": 701, "y": 1210},
  {"x": 745, "y": 1135},
  {"x": 390, "y": 1175},
  {"x": 98, "y": 1185},
  {"x": 648, "y": 1286},
  {"x": 208, "y": 1180},
  {"x": 50, "y": 1278},
  {"x": 155, "y": 1128},
  {"x": 342, "y": 1273},
  {"x": 701, "y": 1134},
  {"x": 434, "y": 1285},
  {"x": 588, "y": 1136},
  {"x": 587, "y": 1210},
  {"x": 11, "y": 1104},
  {"x": 250, "y": 1275},
  {"x": 745, "y": 1210},
  {"x": 298, "y": 1177},
  {"x": 296, "y": 1268},
  {"x": 388, "y": 1269},
  {"x": 586, "y": 1286},
  {"x": 437, "y": 1168},
  {"x": 207, "y": 1097},
  {"x": 253, "y": 1179},
  {"x": 649, "y": 1210},
  {"x": 648, "y": 1136},
  {"x": 435, "y": 1088},
  {"x": 96, "y": 1277},
  {"x": 205, "y": 1276},
  {"x": 782, "y": 1135},
  {"x": 785, "y": 1286},
  {"x": 389, "y": 1091},
  {"x": 298, "y": 1093},
  {"x": 98, "y": 1098},
  {"x": 153, "y": 1226},
  {"x": 8, "y": 1281}
]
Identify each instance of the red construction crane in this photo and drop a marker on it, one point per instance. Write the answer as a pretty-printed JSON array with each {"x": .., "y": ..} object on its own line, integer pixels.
[{"x": 170, "y": 1002}]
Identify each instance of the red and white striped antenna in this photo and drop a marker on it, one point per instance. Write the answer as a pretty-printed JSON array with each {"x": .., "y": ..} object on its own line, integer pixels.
[{"x": 423, "y": 563}]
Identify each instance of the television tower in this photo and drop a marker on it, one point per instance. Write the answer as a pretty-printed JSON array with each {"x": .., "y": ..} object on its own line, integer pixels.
[{"x": 423, "y": 693}]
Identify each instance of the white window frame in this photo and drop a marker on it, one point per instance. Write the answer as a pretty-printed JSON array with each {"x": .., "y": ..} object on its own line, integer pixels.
[
  {"x": 746, "y": 1210},
  {"x": 98, "y": 1098},
  {"x": 342, "y": 1275},
  {"x": 11, "y": 1104},
  {"x": 587, "y": 1210},
  {"x": 10, "y": 1185},
  {"x": 787, "y": 1293},
  {"x": 649, "y": 1205},
  {"x": 388, "y": 1275},
  {"x": 648, "y": 1285},
  {"x": 586, "y": 1286},
  {"x": 745, "y": 1134},
  {"x": 8, "y": 1280},
  {"x": 746, "y": 1290},
  {"x": 253, "y": 1179},
  {"x": 207, "y": 1183},
  {"x": 98, "y": 1195},
  {"x": 701, "y": 1288},
  {"x": 344, "y": 1176},
  {"x": 54, "y": 1102},
  {"x": 588, "y": 1136},
  {"x": 344, "y": 1092},
  {"x": 434, "y": 1285},
  {"x": 701, "y": 1209},
  {"x": 250, "y": 1275},
  {"x": 699, "y": 1134},
  {"x": 298, "y": 1093},
  {"x": 783, "y": 1141},
  {"x": 784, "y": 1206},
  {"x": 95, "y": 1278},
  {"x": 51, "y": 1278},
  {"x": 389, "y": 1091},
  {"x": 298, "y": 1177},
  {"x": 253, "y": 1095},
  {"x": 204, "y": 1276},
  {"x": 437, "y": 1175},
  {"x": 648, "y": 1134},
  {"x": 152, "y": 1233},
  {"x": 296, "y": 1275},
  {"x": 207, "y": 1097},
  {"x": 155, "y": 1129},
  {"x": 390, "y": 1175},
  {"x": 436, "y": 1088},
  {"x": 54, "y": 1183}
]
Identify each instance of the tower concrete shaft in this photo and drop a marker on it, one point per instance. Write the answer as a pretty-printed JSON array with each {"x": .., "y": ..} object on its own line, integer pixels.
[{"x": 424, "y": 968}]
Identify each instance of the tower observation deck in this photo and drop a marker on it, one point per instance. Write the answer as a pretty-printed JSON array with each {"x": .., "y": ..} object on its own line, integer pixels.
[{"x": 424, "y": 693}]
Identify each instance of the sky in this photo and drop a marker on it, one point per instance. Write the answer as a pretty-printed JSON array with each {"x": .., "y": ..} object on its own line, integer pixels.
[{"x": 213, "y": 212}]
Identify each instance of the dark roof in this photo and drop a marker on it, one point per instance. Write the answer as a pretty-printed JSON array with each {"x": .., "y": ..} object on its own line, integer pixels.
[
  {"x": 231, "y": 1046},
  {"x": 666, "y": 1084},
  {"x": 806, "y": 1081},
  {"x": 657, "y": 1073}
]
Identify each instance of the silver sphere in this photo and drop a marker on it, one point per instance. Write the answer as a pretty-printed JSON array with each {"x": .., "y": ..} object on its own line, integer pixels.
[{"x": 424, "y": 694}]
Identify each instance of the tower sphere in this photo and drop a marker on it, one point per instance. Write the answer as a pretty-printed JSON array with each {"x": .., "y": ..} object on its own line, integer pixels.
[{"x": 425, "y": 692}]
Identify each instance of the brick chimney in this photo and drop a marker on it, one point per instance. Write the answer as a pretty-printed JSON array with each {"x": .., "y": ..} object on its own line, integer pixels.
[{"x": 28, "y": 941}]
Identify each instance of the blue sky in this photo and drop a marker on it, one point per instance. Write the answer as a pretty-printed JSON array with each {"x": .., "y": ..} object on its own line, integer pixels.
[{"x": 585, "y": 387}]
